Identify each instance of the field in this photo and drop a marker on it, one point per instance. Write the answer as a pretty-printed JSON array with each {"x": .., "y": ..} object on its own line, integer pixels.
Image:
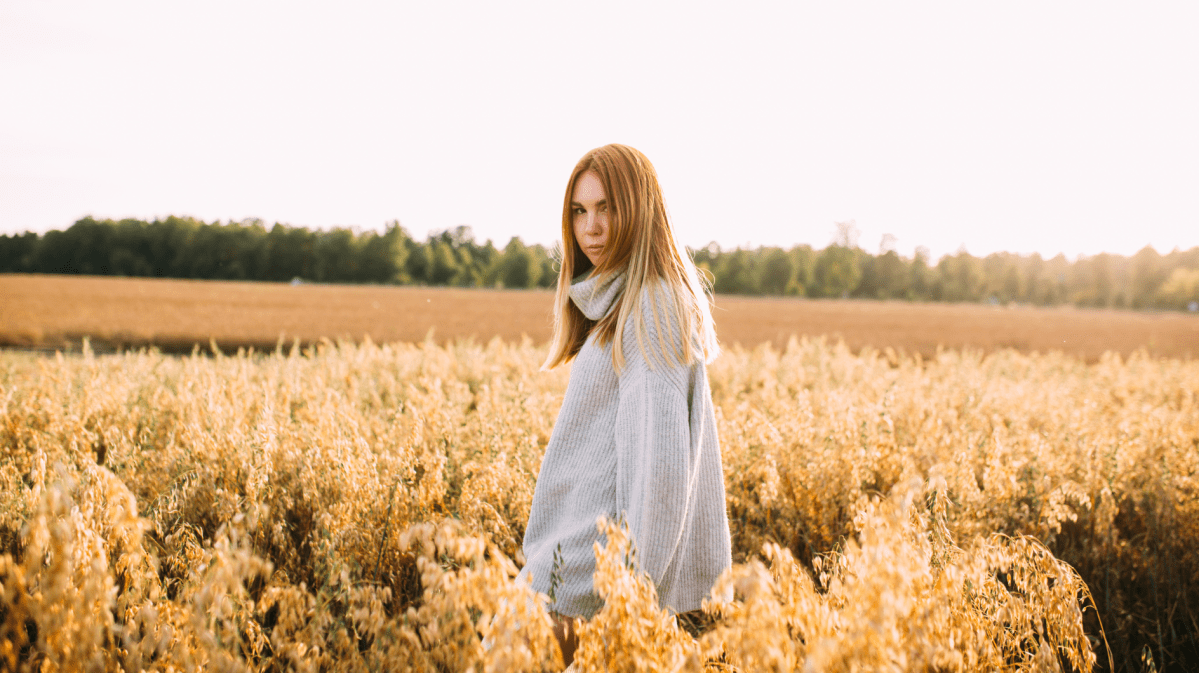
[
  {"x": 57, "y": 311},
  {"x": 360, "y": 506}
]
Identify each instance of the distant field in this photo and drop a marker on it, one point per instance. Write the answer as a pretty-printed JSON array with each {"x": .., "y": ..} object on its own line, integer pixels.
[{"x": 42, "y": 311}]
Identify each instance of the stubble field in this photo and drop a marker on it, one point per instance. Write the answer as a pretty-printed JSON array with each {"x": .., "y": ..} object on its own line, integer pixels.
[
  {"x": 360, "y": 507},
  {"x": 50, "y": 312}
]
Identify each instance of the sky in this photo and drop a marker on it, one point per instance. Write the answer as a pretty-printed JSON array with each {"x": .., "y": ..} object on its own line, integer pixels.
[{"x": 1050, "y": 127}]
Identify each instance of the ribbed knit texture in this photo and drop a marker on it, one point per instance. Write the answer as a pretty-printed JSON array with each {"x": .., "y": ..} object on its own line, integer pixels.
[{"x": 641, "y": 444}]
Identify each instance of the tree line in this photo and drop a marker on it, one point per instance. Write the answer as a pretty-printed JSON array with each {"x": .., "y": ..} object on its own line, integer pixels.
[{"x": 182, "y": 247}]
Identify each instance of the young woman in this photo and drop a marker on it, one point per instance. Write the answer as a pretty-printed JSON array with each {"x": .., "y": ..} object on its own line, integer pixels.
[{"x": 635, "y": 440}]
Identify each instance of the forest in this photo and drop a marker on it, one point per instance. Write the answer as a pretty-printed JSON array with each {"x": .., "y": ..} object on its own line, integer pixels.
[{"x": 184, "y": 247}]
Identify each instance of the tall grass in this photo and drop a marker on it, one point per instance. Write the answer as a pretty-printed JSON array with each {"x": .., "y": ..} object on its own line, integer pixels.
[{"x": 360, "y": 507}]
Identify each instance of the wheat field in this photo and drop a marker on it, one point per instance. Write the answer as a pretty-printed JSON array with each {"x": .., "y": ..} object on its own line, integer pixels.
[
  {"x": 57, "y": 312},
  {"x": 360, "y": 507}
]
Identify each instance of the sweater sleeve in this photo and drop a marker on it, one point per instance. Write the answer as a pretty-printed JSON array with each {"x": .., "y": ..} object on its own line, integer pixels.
[{"x": 655, "y": 461}]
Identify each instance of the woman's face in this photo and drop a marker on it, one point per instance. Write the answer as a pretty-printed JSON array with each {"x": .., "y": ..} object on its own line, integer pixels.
[{"x": 590, "y": 207}]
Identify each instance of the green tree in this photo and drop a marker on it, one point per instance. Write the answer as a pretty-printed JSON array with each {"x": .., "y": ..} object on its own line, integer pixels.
[
  {"x": 17, "y": 251},
  {"x": 837, "y": 272},
  {"x": 1092, "y": 281},
  {"x": 337, "y": 258},
  {"x": 888, "y": 276},
  {"x": 417, "y": 263},
  {"x": 778, "y": 270},
  {"x": 735, "y": 272},
  {"x": 517, "y": 267},
  {"x": 383, "y": 255},
  {"x": 443, "y": 263},
  {"x": 959, "y": 278},
  {"x": 1148, "y": 274},
  {"x": 288, "y": 252},
  {"x": 920, "y": 276},
  {"x": 1180, "y": 290},
  {"x": 1054, "y": 275},
  {"x": 803, "y": 260},
  {"x": 83, "y": 248},
  {"x": 547, "y": 268},
  {"x": 1033, "y": 279},
  {"x": 487, "y": 261}
]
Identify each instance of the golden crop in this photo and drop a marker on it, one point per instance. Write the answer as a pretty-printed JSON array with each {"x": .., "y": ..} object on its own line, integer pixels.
[
  {"x": 51, "y": 312},
  {"x": 361, "y": 507}
]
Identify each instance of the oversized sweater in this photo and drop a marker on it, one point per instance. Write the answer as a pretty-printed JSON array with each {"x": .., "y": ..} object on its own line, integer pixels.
[{"x": 641, "y": 444}]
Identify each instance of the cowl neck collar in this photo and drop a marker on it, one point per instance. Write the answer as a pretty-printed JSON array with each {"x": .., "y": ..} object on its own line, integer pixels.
[{"x": 595, "y": 294}]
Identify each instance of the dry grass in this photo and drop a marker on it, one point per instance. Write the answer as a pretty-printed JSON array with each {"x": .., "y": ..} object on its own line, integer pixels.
[
  {"x": 923, "y": 328},
  {"x": 57, "y": 311},
  {"x": 360, "y": 507}
]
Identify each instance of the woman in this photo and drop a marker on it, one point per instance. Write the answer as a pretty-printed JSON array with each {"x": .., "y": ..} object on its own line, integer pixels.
[{"x": 635, "y": 440}]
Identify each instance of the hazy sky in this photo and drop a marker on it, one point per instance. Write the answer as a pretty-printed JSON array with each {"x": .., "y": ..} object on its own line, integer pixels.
[{"x": 1024, "y": 126}]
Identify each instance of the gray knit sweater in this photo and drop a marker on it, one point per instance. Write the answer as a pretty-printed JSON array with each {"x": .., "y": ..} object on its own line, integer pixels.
[{"x": 643, "y": 444}]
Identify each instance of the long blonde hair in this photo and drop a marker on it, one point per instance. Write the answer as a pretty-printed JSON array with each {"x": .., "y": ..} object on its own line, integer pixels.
[{"x": 641, "y": 242}]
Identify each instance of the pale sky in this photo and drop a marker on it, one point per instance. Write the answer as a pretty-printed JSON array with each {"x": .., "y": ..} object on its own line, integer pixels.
[{"x": 1020, "y": 126}]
